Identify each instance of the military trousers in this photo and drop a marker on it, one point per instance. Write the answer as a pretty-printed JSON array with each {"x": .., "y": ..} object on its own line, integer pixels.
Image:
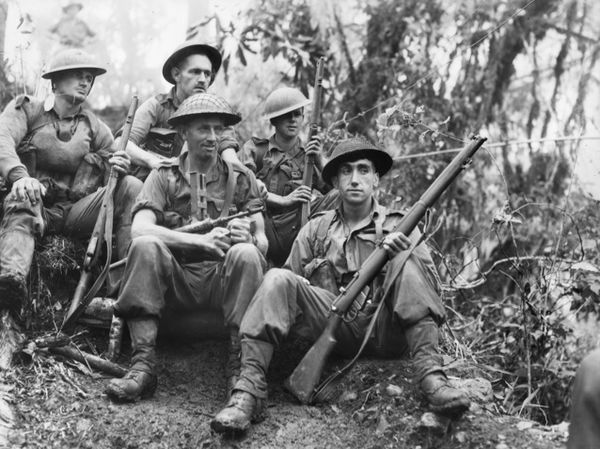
[
  {"x": 23, "y": 222},
  {"x": 584, "y": 432},
  {"x": 157, "y": 280},
  {"x": 287, "y": 304},
  {"x": 282, "y": 228}
]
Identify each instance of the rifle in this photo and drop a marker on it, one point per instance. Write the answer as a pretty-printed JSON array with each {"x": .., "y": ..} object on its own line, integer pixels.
[
  {"x": 315, "y": 119},
  {"x": 303, "y": 381},
  {"x": 102, "y": 233}
]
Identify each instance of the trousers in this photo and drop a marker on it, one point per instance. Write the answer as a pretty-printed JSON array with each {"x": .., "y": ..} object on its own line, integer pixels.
[
  {"x": 584, "y": 432},
  {"x": 157, "y": 280},
  {"x": 286, "y": 304}
]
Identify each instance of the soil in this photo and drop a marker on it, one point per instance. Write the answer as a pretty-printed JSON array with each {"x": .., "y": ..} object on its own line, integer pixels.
[{"x": 61, "y": 405}]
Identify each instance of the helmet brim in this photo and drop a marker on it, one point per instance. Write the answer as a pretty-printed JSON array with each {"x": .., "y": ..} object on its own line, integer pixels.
[
  {"x": 284, "y": 111},
  {"x": 95, "y": 70},
  {"x": 383, "y": 162},
  {"x": 228, "y": 119},
  {"x": 211, "y": 53}
]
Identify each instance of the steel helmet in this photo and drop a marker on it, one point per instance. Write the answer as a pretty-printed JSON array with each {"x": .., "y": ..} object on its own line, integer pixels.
[
  {"x": 204, "y": 104},
  {"x": 191, "y": 47},
  {"x": 72, "y": 59},
  {"x": 353, "y": 149},
  {"x": 284, "y": 100}
]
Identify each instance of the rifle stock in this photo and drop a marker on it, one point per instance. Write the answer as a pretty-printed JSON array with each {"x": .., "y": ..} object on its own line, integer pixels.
[
  {"x": 315, "y": 119},
  {"x": 303, "y": 381},
  {"x": 83, "y": 294}
]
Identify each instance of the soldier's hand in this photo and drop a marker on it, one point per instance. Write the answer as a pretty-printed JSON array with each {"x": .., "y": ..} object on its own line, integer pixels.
[
  {"x": 217, "y": 242},
  {"x": 28, "y": 188},
  {"x": 396, "y": 242},
  {"x": 314, "y": 146},
  {"x": 120, "y": 161},
  {"x": 302, "y": 194},
  {"x": 240, "y": 230}
]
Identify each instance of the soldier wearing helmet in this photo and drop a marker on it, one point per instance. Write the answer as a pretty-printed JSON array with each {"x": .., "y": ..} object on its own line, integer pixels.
[
  {"x": 279, "y": 163},
  {"x": 219, "y": 270},
  {"x": 54, "y": 156},
  {"x": 191, "y": 69},
  {"x": 293, "y": 301}
]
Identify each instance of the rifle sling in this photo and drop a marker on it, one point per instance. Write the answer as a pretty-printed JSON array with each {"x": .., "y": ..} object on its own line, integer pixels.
[
  {"x": 232, "y": 176},
  {"x": 387, "y": 289}
]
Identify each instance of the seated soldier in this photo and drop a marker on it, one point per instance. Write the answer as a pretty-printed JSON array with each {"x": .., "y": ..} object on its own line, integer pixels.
[
  {"x": 191, "y": 68},
  {"x": 53, "y": 155},
  {"x": 585, "y": 409},
  {"x": 168, "y": 269},
  {"x": 327, "y": 252},
  {"x": 279, "y": 163}
]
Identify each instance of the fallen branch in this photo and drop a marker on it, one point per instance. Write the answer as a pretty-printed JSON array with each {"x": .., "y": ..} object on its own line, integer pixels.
[{"x": 93, "y": 361}]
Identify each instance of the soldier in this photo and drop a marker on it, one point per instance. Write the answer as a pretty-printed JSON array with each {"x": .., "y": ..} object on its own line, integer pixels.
[
  {"x": 53, "y": 156},
  {"x": 191, "y": 69},
  {"x": 279, "y": 163},
  {"x": 585, "y": 409},
  {"x": 325, "y": 255},
  {"x": 70, "y": 29},
  {"x": 220, "y": 270}
]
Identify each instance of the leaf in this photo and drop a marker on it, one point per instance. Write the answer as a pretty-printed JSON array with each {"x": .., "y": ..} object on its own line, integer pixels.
[{"x": 241, "y": 56}]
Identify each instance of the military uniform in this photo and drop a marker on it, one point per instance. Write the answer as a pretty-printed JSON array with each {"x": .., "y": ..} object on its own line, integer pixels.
[
  {"x": 585, "y": 408},
  {"x": 151, "y": 131},
  {"x": 157, "y": 277},
  {"x": 324, "y": 257},
  {"x": 69, "y": 157},
  {"x": 281, "y": 173}
]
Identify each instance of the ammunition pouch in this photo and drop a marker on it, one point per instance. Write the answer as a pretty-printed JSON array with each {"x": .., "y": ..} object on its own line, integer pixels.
[{"x": 164, "y": 142}]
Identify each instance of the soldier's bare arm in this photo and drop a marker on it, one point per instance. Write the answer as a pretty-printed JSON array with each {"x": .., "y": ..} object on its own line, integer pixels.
[{"x": 214, "y": 244}]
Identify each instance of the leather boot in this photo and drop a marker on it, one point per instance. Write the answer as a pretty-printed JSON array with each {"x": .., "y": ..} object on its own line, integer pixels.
[
  {"x": 140, "y": 381},
  {"x": 443, "y": 398},
  {"x": 16, "y": 254},
  {"x": 241, "y": 410},
  {"x": 234, "y": 363}
]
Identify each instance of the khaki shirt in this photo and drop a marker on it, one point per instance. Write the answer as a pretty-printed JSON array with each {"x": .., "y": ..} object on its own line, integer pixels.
[
  {"x": 280, "y": 171},
  {"x": 29, "y": 138},
  {"x": 167, "y": 192},
  {"x": 151, "y": 131},
  {"x": 345, "y": 251}
]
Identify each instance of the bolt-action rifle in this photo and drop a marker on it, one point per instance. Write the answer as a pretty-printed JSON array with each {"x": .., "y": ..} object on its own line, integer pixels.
[
  {"x": 102, "y": 234},
  {"x": 315, "y": 121},
  {"x": 304, "y": 379}
]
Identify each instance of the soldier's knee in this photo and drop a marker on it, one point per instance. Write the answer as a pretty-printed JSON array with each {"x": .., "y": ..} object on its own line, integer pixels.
[
  {"x": 129, "y": 187},
  {"x": 146, "y": 245},
  {"x": 243, "y": 253},
  {"x": 279, "y": 277}
]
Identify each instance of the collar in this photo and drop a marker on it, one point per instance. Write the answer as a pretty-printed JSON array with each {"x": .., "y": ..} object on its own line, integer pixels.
[
  {"x": 50, "y": 102},
  {"x": 292, "y": 153},
  {"x": 182, "y": 163},
  {"x": 377, "y": 212},
  {"x": 170, "y": 97}
]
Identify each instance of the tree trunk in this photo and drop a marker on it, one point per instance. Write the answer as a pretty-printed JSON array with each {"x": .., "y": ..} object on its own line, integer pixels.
[{"x": 3, "y": 16}]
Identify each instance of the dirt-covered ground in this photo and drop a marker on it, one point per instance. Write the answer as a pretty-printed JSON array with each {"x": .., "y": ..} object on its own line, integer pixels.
[{"x": 61, "y": 405}]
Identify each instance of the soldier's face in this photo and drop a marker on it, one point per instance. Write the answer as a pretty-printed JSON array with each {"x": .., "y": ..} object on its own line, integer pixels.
[
  {"x": 202, "y": 135},
  {"x": 356, "y": 181},
  {"x": 288, "y": 125},
  {"x": 193, "y": 75},
  {"x": 74, "y": 85}
]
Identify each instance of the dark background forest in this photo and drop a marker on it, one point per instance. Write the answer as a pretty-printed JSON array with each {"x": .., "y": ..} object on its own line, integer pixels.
[{"x": 516, "y": 237}]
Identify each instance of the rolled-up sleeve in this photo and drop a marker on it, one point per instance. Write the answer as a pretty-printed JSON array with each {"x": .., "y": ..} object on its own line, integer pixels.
[
  {"x": 247, "y": 155},
  {"x": 145, "y": 118},
  {"x": 13, "y": 129},
  {"x": 153, "y": 195}
]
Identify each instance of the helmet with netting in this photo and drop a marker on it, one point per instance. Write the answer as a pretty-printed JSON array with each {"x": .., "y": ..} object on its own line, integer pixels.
[
  {"x": 204, "y": 104},
  {"x": 284, "y": 100},
  {"x": 72, "y": 59}
]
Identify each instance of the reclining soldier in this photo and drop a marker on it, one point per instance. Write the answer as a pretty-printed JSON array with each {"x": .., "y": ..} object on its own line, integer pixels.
[
  {"x": 54, "y": 156},
  {"x": 279, "y": 163},
  {"x": 176, "y": 271},
  {"x": 191, "y": 68},
  {"x": 329, "y": 249}
]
